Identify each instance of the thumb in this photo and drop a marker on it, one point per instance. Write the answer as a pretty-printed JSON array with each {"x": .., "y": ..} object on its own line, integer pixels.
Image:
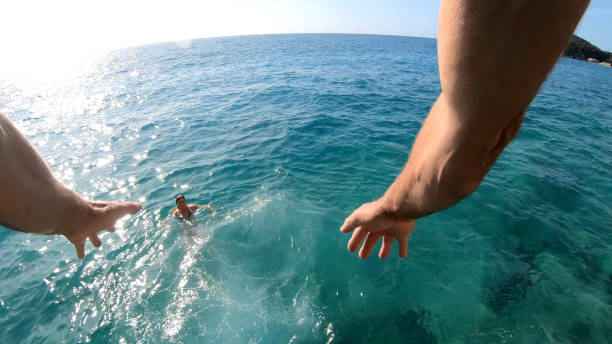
[
  {"x": 113, "y": 211},
  {"x": 349, "y": 224}
]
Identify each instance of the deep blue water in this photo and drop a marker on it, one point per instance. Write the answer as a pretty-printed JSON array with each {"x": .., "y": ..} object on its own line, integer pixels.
[{"x": 285, "y": 135}]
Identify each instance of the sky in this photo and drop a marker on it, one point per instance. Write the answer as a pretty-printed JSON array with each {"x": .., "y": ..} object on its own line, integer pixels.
[{"x": 31, "y": 29}]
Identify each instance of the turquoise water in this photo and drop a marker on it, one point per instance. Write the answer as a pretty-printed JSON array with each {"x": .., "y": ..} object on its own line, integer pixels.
[{"x": 285, "y": 135}]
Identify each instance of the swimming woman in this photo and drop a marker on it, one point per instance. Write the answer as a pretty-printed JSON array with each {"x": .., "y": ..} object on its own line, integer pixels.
[{"x": 185, "y": 211}]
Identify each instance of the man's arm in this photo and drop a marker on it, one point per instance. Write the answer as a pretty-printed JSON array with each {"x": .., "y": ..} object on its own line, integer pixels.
[
  {"x": 493, "y": 56},
  {"x": 32, "y": 200}
]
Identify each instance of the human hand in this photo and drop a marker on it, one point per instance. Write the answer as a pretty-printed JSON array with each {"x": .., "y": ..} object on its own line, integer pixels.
[
  {"x": 371, "y": 222},
  {"x": 101, "y": 216}
]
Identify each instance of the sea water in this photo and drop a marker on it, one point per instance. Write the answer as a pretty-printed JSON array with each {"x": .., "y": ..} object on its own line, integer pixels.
[{"x": 284, "y": 135}]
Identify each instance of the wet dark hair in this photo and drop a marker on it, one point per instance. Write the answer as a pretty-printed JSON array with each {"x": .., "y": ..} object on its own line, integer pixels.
[{"x": 179, "y": 197}]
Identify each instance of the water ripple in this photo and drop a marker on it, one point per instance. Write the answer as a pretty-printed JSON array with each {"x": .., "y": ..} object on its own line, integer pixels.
[{"x": 284, "y": 135}]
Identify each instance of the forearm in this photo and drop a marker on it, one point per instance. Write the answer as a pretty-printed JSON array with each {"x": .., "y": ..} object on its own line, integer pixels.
[
  {"x": 443, "y": 167},
  {"x": 31, "y": 199},
  {"x": 493, "y": 57}
]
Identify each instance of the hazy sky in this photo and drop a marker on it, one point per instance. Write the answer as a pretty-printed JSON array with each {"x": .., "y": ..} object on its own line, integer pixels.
[{"x": 46, "y": 28}]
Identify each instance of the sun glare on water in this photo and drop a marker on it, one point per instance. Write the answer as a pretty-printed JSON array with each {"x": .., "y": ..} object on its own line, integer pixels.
[
  {"x": 54, "y": 41},
  {"x": 39, "y": 66}
]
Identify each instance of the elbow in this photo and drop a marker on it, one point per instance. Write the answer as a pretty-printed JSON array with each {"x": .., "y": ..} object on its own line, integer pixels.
[
  {"x": 463, "y": 182},
  {"x": 459, "y": 176},
  {"x": 465, "y": 188}
]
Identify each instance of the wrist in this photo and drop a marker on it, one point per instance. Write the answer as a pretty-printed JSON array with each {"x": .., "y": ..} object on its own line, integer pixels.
[
  {"x": 74, "y": 215},
  {"x": 415, "y": 195},
  {"x": 397, "y": 207}
]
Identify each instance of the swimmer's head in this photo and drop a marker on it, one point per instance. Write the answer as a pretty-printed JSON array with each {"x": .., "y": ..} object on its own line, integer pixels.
[{"x": 181, "y": 201}]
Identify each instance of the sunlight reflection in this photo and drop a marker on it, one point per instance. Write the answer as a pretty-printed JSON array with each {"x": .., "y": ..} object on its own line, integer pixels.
[
  {"x": 34, "y": 67},
  {"x": 104, "y": 161},
  {"x": 192, "y": 284}
]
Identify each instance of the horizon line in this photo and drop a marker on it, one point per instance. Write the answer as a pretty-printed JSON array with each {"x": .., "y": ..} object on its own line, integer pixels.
[{"x": 265, "y": 34}]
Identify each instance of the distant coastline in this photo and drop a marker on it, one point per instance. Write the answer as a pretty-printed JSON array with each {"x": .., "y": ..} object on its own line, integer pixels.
[{"x": 581, "y": 49}]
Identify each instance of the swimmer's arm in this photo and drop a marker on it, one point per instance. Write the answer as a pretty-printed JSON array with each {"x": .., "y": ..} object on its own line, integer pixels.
[
  {"x": 493, "y": 56},
  {"x": 197, "y": 206},
  {"x": 32, "y": 200}
]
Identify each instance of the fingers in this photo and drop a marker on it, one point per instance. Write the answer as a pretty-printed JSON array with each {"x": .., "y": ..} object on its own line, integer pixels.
[
  {"x": 98, "y": 204},
  {"x": 128, "y": 207},
  {"x": 80, "y": 248},
  {"x": 368, "y": 245},
  {"x": 386, "y": 247},
  {"x": 377, "y": 224},
  {"x": 95, "y": 240},
  {"x": 105, "y": 216},
  {"x": 356, "y": 239},
  {"x": 403, "y": 247},
  {"x": 79, "y": 245}
]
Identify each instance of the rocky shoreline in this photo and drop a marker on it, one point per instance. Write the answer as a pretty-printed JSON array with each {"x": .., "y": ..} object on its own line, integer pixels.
[{"x": 581, "y": 49}]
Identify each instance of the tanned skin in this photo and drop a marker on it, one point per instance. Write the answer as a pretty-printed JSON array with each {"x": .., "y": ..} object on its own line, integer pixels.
[
  {"x": 493, "y": 55},
  {"x": 32, "y": 200}
]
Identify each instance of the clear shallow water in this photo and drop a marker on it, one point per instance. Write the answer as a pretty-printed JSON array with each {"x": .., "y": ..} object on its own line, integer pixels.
[{"x": 284, "y": 135}]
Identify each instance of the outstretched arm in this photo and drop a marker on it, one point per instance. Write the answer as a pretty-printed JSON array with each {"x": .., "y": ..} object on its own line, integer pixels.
[
  {"x": 197, "y": 206},
  {"x": 212, "y": 211},
  {"x": 493, "y": 55},
  {"x": 34, "y": 201}
]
